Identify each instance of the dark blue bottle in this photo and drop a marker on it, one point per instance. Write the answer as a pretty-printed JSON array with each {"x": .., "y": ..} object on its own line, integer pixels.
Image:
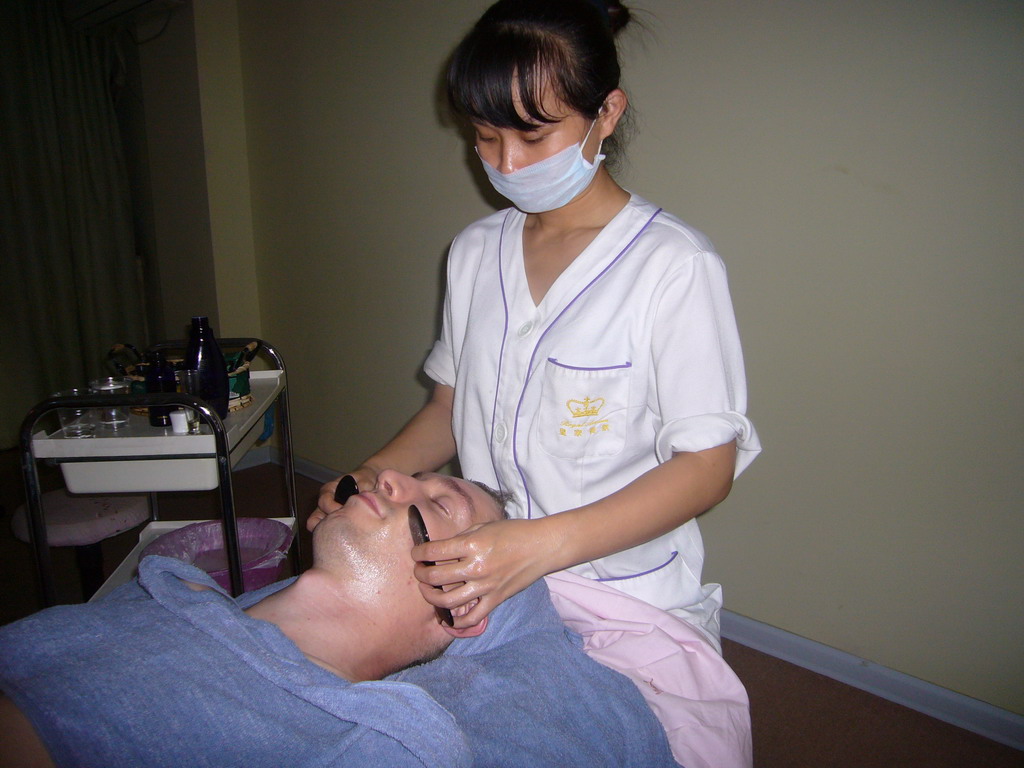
[
  {"x": 203, "y": 355},
  {"x": 159, "y": 378}
]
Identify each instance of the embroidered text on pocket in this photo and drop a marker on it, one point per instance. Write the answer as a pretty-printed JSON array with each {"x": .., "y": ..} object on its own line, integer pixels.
[{"x": 583, "y": 409}]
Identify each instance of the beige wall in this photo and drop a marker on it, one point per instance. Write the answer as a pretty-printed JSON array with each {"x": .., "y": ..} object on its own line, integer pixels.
[
  {"x": 860, "y": 168},
  {"x": 226, "y": 159},
  {"x": 180, "y": 201},
  {"x": 196, "y": 140}
]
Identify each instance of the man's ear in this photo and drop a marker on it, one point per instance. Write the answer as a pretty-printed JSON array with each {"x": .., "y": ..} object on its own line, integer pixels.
[{"x": 474, "y": 631}]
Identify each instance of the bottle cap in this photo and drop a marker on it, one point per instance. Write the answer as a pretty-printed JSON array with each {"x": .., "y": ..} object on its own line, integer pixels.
[{"x": 179, "y": 422}]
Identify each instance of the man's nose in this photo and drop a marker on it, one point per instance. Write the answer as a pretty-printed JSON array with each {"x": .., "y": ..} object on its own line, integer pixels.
[{"x": 395, "y": 486}]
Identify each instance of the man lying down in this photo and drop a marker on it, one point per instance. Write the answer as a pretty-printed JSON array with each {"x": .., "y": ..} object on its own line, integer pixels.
[{"x": 168, "y": 670}]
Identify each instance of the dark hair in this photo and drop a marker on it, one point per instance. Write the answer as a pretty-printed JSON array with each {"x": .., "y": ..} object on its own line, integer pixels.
[
  {"x": 500, "y": 498},
  {"x": 519, "y": 47}
]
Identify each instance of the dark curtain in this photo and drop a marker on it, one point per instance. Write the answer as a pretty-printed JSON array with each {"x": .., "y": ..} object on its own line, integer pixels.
[{"x": 69, "y": 275}]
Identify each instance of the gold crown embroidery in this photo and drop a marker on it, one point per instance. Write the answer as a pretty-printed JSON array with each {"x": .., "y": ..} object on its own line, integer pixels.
[{"x": 580, "y": 409}]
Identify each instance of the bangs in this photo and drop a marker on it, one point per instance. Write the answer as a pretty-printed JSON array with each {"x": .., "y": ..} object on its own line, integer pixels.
[{"x": 490, "y": 73}]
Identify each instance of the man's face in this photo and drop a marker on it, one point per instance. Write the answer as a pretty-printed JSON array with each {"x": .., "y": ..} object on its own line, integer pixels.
[
  {"x": 370, "y": 536},
  {"x": 363, "y": 551}
]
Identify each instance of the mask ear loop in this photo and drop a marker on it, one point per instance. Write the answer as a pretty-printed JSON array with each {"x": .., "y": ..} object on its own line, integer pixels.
[
  {"x": 597, "y": 155},
  {"x": 600, "y": 113}
]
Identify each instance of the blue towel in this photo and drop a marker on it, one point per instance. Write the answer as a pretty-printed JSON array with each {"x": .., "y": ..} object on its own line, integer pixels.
[
  {"x": 158, "y": 674},
  {"x": 525, "y": 694}
]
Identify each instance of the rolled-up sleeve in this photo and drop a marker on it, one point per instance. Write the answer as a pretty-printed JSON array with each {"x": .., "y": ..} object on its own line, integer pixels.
[
  {"x": 440, "y": 363},
  {"x": 700, "y": 387}
]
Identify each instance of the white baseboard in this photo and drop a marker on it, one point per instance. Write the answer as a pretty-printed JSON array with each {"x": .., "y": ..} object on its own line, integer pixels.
[
  {"x": 268, "y": 454},
  {"x": 261, "y": 454},
  {"x": 941, "y": 703},
  {"x": 316, "y": 472}
]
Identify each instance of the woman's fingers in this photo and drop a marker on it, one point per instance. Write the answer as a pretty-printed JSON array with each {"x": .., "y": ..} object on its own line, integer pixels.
[
  {"x": 467, "y": 610},
  {"x": 325, "y": 504},
  {"x": 477, "y": 570},
  {"x": 365, "y": 479}
]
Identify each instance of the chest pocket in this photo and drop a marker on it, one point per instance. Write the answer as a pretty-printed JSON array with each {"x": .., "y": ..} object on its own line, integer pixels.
[{"x": 583, "y": 411}]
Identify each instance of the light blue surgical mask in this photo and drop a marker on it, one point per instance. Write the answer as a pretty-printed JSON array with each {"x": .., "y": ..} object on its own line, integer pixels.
[{"x": 549, "y": 183}]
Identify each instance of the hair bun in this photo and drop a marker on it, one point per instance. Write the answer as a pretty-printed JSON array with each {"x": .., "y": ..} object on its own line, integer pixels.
[
  {"x": 618, "y": 15},
  {"x": 614, "y": 13}
]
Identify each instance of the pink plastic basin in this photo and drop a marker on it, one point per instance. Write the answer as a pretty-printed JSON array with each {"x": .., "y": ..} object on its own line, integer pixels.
[{"x": 262, "y": 544}]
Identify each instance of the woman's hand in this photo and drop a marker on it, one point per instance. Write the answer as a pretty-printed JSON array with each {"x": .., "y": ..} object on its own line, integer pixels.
[
  {"x": 481, "y": 567},
  {"x": 365, "y": 477},
  {"x": 424, "y": 444},
  {"x": 495, "y": 560}
]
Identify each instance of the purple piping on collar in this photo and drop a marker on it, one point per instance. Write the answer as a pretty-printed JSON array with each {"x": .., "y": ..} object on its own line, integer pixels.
[
  {"x": 533, "y": 356},
  {"x": 504, "y": 332}
]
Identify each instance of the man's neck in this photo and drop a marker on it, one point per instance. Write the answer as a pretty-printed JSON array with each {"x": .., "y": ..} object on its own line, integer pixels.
[{"x": 331, "y": 628}]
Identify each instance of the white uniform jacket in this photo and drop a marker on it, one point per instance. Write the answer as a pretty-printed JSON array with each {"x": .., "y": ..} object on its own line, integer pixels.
[{"x": 631, "y": 356}]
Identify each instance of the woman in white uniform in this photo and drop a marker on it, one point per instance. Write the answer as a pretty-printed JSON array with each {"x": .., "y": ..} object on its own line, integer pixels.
[{"x": 589, "y": 363}]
